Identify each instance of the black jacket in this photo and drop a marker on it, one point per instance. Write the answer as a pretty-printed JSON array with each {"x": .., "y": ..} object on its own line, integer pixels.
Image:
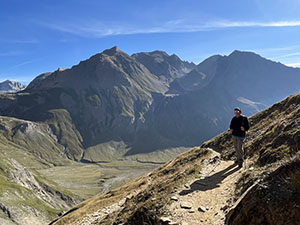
[{"x": 237, "y": 123}]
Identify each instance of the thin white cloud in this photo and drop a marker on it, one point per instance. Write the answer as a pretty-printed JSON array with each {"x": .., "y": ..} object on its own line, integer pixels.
[
  {"x": 287, "y": 55},
  {"x": 257, "y": 24},
  {"x": 19, "y": 41},
  {"x": 280, "y": 52},
  {"x": 98, "y": 29},
  {"x": 11, "y": 53},
  {"x": 276, "y": 49},
  {"x": 65, "y": 40},
  {"x": 24, "y": 63},
  {"x": 23, "y": 79},
  {"x": 293, "y": 64}
]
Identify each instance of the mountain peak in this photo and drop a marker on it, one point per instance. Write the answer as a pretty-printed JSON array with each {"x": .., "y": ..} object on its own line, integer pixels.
[
  {"x": 59, "y": 69},
  {"x": 155, "y": 53},
  {"x": 239, "y": 53},
  {"x": 9, "y": 82},
  {"x": 112, "y": 51},
  {"x": 159, "y": 52}
]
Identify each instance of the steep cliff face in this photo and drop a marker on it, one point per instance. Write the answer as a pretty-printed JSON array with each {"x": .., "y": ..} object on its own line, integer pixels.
[{"x": 204, "y": 185}]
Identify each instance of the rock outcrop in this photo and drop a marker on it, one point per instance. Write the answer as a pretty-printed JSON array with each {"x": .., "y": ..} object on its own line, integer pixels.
[{"x": 275, "y": 200}]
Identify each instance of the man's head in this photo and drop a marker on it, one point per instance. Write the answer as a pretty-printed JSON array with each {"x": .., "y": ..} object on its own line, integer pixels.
[{"x": 237, "y": 112}]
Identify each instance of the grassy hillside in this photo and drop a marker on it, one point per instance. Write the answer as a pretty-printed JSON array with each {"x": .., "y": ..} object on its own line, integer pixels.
[
  {"x": 28, "y": 194},
  {"x": 25, "y": 197}
]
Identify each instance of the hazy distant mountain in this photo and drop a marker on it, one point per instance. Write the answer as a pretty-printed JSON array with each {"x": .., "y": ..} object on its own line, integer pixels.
[
  {"x": 11, "y": 86},
  {"x": 114, "y": 104}
]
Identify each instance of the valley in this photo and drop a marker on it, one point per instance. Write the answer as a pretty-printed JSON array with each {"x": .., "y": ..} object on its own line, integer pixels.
[
  {"x": 38, "y": 183},
  {"x": 87, "y": 180}
]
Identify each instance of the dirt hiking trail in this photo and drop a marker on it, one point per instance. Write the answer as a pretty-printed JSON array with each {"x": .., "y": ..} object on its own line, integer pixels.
[{"x": 205, "y": 199}]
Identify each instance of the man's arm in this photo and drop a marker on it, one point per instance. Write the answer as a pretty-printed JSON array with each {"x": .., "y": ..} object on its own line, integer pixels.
[
  {"x": 231, "y": 126},
  {"x": 246, "y": 124}
]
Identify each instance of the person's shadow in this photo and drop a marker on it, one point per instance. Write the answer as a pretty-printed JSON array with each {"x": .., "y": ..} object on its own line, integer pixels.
[{"x": 210, "y": 182}]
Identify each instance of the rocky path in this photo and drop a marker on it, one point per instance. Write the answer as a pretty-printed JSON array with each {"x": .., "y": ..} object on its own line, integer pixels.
[
  {"x": 202, "y": 200},
  {"x": 96, "y": 217}
]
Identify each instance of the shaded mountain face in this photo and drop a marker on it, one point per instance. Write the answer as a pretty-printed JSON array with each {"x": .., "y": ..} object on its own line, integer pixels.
[
  {"x": 11, "y": 86},
  {"x": 119, "y": 105}
]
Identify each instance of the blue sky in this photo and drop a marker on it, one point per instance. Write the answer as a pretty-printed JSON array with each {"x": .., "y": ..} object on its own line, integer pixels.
[{"x": 42, "y": 35}]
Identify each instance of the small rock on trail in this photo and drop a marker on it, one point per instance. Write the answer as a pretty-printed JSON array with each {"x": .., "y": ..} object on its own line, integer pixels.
[{"x": 186, "y": 205}]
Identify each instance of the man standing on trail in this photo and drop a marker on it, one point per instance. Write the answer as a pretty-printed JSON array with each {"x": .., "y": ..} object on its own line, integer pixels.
[{"x": 238, "y": 127}]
